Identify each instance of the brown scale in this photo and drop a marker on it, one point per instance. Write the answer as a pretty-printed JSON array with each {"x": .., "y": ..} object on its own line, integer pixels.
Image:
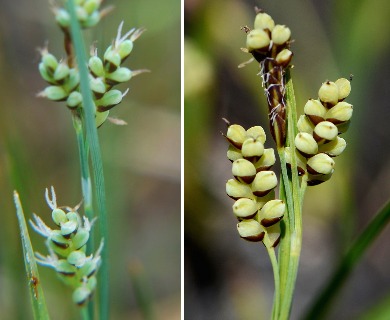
[
  {"x": 273, "y": 80},
  {"x": 275, "y": 93}
]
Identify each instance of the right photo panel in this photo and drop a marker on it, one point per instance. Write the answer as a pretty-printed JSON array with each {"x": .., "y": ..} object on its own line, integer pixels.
[{"x": 286, "y": 160}]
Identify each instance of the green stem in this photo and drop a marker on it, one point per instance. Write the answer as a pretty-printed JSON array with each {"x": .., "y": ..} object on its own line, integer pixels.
[
  {"x": 275, "y": 268},
  {"x": 293, "y": 197},
  {"x": 287, "y": 262},
  {"x": 287, "y": 188},
  {"x": 85, "y": 314},
  {"x": 285, "y": 243},
  {"x": 86, "y": 187},
  {"x": 284, "y": 247},
  {"x": 93, "y": 142}
]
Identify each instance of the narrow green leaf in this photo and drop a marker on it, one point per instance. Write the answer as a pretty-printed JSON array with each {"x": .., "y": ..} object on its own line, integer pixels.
[
  {"x": 322, "y": 303},
  {"x": 36, "y": 293},
  {"x": 93, "y": 141}
]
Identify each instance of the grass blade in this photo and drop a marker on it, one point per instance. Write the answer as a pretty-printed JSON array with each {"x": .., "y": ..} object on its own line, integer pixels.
[
  {"x": 93, "y": 141},
  {"x": 36, "y": 293},
  {"x": 321, "y": 304}
]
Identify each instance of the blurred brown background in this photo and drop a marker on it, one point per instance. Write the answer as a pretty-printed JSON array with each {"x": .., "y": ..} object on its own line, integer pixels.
[
  {"x": 141, "y": 160},
  {"x": 226, "y": 277}
]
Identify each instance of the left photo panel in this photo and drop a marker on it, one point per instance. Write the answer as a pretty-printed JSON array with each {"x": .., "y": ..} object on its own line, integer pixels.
[{"x": 90, "y": 172}]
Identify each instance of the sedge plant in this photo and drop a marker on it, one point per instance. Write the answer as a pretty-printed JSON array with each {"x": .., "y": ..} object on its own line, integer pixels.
[
  {"x": 306, "y": 147},
  {"x": 84, "y": 85}
]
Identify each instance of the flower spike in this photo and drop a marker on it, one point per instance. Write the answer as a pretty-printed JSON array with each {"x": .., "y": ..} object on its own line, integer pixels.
[
  {"x": 253, "y": 184},
  {"x": 105, "y": 73},
  {"x": 67, "y": 245},
  {"x": 318, "y": 140}
]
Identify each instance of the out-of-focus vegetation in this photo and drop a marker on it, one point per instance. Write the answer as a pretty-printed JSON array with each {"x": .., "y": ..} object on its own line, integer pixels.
[
  {"x": 141, "y": 160},
  {"x": 226, "y": 277}
]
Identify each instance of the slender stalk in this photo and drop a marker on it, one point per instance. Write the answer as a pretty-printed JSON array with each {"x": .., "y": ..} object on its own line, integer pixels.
[
  {"x": 86, "y": 185},
  {"x": 287, "y": 188},
  {"x": 285, "y": 243},
  {"x": 93, "y": 141},
  {"x": 293, "y": 197},
  {"x": 86, "y": 188},
  {"x": 291, "y": 134},
  {"x": 84, "y": 314},
  {"x": 275, "y": 268},
  {"x": 284, "y": 247}
]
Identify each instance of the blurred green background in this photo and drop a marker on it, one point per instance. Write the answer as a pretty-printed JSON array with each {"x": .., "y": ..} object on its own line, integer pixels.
[
  {"x": 226, "y": 277},
  {"x": 141, "y": 160}
]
